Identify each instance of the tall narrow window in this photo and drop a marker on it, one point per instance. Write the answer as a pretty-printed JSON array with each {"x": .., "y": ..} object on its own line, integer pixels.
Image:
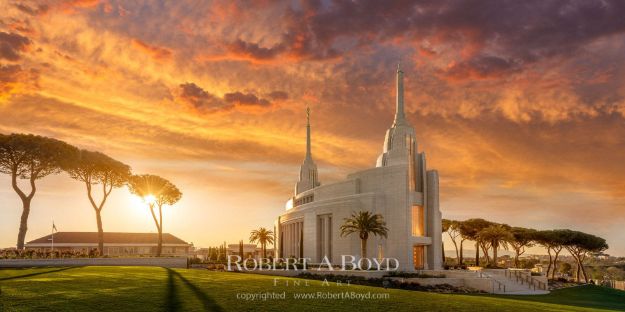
[
  {"x": 417, "y": 221},
  {"x": 411, "y": 164},
  {"x": 320, "y": 238},
  {"x": 324, "y": 237},
  {"x": 329, "y": 238}
]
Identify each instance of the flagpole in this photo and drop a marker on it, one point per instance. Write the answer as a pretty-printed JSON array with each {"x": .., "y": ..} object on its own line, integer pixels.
[{"x": 52, "y": 238}]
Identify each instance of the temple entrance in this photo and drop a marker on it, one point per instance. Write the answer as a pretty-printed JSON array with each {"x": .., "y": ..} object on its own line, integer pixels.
[{"x": 417, "y": 257}]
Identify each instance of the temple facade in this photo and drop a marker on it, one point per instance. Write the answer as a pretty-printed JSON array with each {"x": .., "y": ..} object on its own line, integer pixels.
[{"x": 399, "y": 187}]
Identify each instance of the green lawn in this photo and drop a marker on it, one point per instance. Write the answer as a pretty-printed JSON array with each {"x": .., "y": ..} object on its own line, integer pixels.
[{"x": 159, "y": 289}]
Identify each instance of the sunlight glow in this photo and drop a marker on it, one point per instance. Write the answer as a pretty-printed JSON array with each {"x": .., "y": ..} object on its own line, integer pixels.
[{"x": 149, "y": 199}]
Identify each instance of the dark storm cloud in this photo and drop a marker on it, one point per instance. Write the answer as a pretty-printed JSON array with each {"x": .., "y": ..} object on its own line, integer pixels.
[
  {"x": 254, "y": 51},
  {"x": 532, "y": 28},
  {"x": 12, "y": 45},
  {"x": 202, "y": 100},
  {"x": 245, "y": 99},
  {"x": 514, "y": 32},
  {"x": 481, "y": 67},
  {"x": 198, "y": 97},
  {"x": 31, "y": 10},
  {"x": 278, "y": 95},
  {"x": 9, "y": 73}
]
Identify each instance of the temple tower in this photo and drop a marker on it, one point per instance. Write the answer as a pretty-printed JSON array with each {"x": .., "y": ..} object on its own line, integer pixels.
[
  {"x": 308, "y": 175},
  {"x": 399, "y": 144}
]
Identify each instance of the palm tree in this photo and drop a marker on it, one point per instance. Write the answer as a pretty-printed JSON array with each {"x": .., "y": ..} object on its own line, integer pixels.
[
  {"x": 495, "y": 236},
  {"x": 262, "y": 236},
  {"x": 363, "y": 223}
]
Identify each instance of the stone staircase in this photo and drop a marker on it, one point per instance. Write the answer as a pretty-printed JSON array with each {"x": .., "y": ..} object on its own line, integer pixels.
[{"x": 515, "y": 282}]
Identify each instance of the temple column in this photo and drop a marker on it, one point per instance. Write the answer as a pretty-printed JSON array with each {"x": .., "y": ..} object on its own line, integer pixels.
[{"x": 326, "y": 235}]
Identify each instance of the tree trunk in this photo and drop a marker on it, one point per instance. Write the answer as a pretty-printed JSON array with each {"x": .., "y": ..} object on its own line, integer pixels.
[
  {"x": 98, "y": 211},
  {"x": 550, "y": 260},
  {"x": 555, "y": 264},
  {"x": 26, "y": 199},
  {"x": 363, "y": 248},
  {"x": 264, "y": 250},
  {"x": 443, "y": 249},
  {"x": 456, "y": 248},
  {"x": 486, "y": 256},
  {"x": 158, "y": 228},
  {"x": 577, "y": 272},
  {"x": 495, "y": 255},
  {"x": 581, "y": 263},
  {"x": 461, "y": 256},
  {"x": 159, "y": 249},
  {"x": 477, "y": 253},
  {"x": 21, "y": 235},
  {"x": 100, "y": 233},
  {"x": 516, "y": 258}
]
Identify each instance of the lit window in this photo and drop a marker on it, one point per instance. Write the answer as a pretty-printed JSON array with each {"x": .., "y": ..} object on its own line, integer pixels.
[{"x": 417, "y": 221}]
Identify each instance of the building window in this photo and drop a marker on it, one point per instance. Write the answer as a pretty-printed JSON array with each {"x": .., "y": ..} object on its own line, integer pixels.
[
  {"x": 417, "y": 221},
  {"x": 417, "y": 257},
  {"x": 304, "y": 200}
]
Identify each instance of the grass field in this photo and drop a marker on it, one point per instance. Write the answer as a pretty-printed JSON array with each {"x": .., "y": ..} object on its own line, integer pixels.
[{"x": 160, "y": 289}]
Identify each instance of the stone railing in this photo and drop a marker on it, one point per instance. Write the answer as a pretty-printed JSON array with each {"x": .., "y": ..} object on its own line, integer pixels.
[
  {"x": 526, "y": 278},
  {"x": 496, "y": 284}
]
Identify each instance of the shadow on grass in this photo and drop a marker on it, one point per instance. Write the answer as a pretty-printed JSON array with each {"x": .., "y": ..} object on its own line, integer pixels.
[
  {"x": 173, "y": 304},
  {"x": 588, "y": 296},
  {"x": 36, "y": 273}
]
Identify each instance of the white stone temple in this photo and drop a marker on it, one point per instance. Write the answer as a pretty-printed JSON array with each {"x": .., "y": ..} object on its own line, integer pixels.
[{"x": 399, "y": 187}]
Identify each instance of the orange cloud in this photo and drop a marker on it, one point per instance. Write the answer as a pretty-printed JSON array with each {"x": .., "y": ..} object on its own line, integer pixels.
[
  {"x": 15, "y": 80},
  {"x": 158, "y": 53}
]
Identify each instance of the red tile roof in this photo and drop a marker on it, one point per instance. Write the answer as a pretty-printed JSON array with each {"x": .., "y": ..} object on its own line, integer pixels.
[{"x": 109, "y": 238}]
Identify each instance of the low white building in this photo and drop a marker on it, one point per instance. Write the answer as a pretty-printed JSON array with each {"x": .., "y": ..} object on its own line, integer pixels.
[
  {"x": 115, "y": 244},
  {"x": 399, "y": 187}
]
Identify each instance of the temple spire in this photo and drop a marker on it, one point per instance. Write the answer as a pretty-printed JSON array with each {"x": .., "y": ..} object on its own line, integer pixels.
[
  {"x": 308, "y": 176},
  {"x": 308, "y": 152},
  {"x": 400, "y": 137},
  {"x": 399, "y": 102}
]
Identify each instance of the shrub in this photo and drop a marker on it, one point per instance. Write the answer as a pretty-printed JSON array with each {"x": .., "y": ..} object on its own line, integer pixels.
[{"x": 414, "y": 275}]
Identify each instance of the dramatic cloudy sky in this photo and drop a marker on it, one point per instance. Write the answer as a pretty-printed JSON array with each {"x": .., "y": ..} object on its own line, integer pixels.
[{"x": 520, "y": 105}]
